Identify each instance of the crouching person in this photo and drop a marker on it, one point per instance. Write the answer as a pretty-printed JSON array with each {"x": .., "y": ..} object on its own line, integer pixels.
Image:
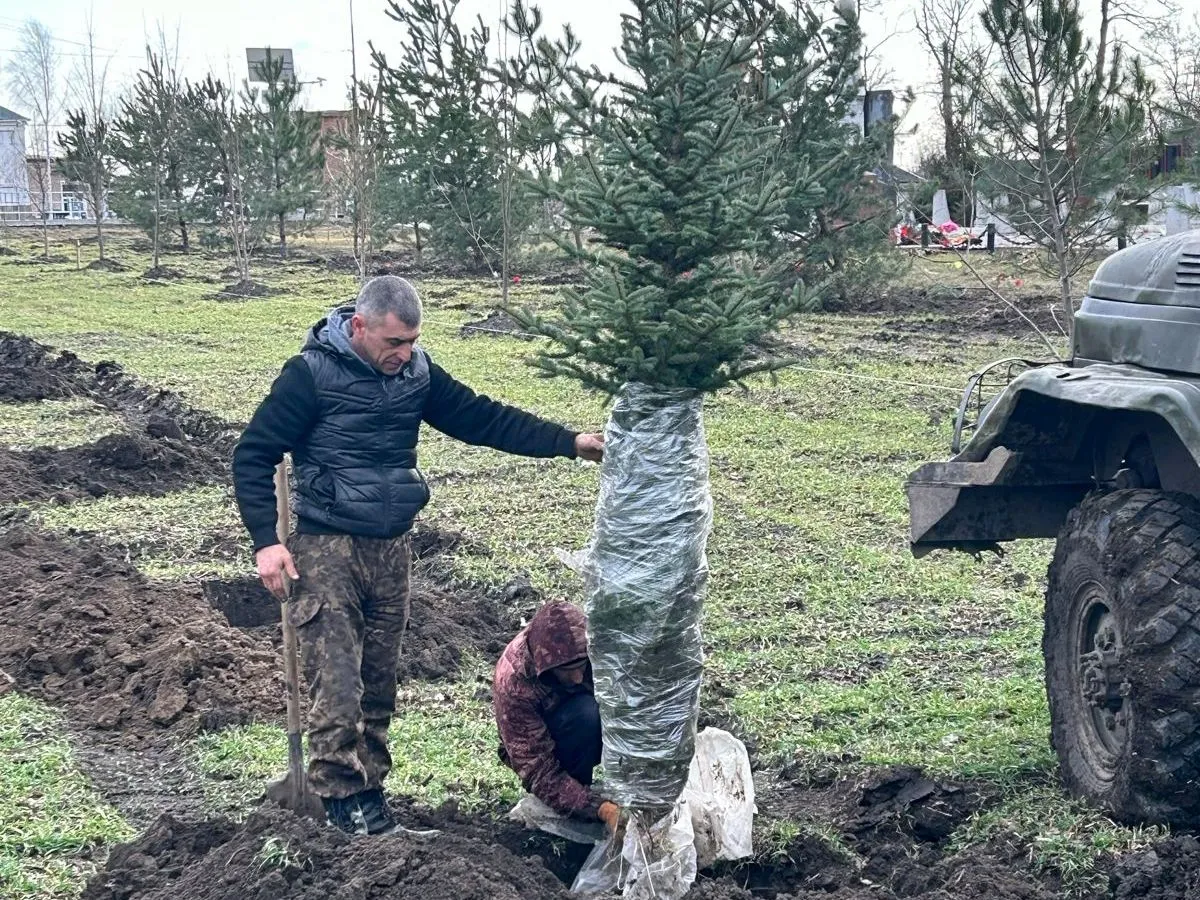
[{"x": 547, "y": 716}]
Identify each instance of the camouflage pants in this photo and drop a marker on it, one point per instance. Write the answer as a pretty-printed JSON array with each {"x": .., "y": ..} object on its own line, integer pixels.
[{"x": 350, "y": 608}]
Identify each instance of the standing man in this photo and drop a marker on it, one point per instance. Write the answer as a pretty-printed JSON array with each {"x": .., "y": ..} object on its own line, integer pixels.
[{"x": 349, "y": 409}]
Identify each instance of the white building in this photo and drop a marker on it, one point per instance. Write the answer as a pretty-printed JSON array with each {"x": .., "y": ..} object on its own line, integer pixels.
[{"x": 14, "y": 176}]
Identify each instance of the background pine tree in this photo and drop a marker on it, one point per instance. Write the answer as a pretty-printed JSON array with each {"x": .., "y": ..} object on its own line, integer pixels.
[{"x": 287, "y": 159}]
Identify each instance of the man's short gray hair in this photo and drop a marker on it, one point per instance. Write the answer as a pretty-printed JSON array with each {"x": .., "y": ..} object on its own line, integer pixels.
[{"x": 389, "y": 294}]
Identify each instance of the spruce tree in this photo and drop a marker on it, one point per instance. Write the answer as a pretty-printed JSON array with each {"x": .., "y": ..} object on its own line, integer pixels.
[
  {"x": 839, "y": 232},
  {"x": 679, "y": 186},
  {"x": 288, "y": 161}
]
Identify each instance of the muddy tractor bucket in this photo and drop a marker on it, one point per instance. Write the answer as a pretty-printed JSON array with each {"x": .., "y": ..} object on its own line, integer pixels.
[{"x": 975, "y": 506}]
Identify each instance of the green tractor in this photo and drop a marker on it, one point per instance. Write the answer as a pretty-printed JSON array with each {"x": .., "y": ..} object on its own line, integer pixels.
[{"x": 1103, "y": 453}]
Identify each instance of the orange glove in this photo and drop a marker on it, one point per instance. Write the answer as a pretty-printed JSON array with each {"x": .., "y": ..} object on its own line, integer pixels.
[{"x": 610, "y": 815}]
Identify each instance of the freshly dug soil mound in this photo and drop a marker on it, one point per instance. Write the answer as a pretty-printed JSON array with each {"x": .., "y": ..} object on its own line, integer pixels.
[
  {"x": 243, "y": 290},
  {"x": 274, "y": 854},
  {"x": 163, "y": 273},
  {"x": 442, "y": 629},
  {"x": 1169, "y": 870},
  {"x": 33, "y": 371},
  {"x": 115, "y": 465},
  {"x": 41, "y": 260},
  {"x": 497, "y": 324},
  {"x": 106, "y": 265},
  {"x": 142, "y": 663}
]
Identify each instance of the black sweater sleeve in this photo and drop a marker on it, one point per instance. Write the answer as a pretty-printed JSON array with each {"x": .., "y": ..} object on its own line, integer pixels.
[
  {"x": 454, "y": 409},
  {"x": 279, "y": 425}
]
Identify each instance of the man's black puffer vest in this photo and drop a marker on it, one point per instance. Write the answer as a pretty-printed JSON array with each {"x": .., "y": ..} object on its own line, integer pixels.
[{"x": 357, "y": 472}]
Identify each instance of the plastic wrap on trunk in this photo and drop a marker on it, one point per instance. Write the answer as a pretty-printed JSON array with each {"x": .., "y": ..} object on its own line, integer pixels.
[{"x": 645, "y": 571}]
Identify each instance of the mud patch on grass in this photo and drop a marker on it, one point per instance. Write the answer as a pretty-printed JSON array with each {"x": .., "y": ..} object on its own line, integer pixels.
[{"x": 960, "y": 310}]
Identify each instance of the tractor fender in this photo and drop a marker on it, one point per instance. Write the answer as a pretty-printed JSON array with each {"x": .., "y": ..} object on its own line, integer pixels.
[
  {"x": 1054, "y": 435},
  {"x": 1084, "y": 390}
]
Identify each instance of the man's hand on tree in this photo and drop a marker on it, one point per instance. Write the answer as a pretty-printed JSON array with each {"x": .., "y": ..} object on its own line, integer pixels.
[
  {"x": 273, "y": 562},
  {"x": 589, "y": 447},
  {"x": 610, "y": 815}
]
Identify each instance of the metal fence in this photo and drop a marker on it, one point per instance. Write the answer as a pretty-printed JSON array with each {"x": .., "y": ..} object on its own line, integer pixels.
[{"x": 23, "y": 207}]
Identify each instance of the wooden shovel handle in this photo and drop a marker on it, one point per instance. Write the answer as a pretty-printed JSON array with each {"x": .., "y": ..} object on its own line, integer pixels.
[{"x": 291, "y": 668}]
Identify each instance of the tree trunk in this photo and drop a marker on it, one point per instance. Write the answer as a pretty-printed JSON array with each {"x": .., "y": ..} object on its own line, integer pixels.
[
  {"x": 951, "y": 142},
  {"x": 157, "y": 217},
  {"x": 1102, "y": 45},
  {"x": 282, "y": 238},
  {"x": 417, "y": 238},
  {"x": 47, "y": 193},
  {"x": 177, "y": 193},
  {"x": 644, "y": 606},
  {"x": 1062, "y": 244},
  {"x": 98, "y": 207}
]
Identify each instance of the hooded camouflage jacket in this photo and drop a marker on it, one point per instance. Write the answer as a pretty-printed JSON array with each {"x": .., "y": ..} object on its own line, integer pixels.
[{"x": 525, "y": 692}]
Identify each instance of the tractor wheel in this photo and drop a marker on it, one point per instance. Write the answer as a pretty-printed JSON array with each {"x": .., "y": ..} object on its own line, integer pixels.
[{"x": 1122, "y": 648}]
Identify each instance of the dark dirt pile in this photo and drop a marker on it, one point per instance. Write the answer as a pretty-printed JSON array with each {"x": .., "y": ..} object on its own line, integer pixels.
[
  {"x": 895, "y": 823},
  {"x": 243, "y": 290},
  {"x": 33, "y": 371},
  {"x": 142, "y": 664},
  {"x": 497, "y": 323},
  {"x": 964, "y": 309},
  {"x": 163, "y": 273},
  {"x": 274, "y": 855},
  {"x": 115, "y": 465},
  {"x": 106, "y": 265},
  {"x": 1168, "y": 870},
  {"x": 168, "y": 446},
  {"x": 444, "y": 626}
]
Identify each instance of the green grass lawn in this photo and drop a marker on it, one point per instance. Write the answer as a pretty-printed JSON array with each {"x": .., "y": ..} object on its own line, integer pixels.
[{"x": 826, "y": 639}]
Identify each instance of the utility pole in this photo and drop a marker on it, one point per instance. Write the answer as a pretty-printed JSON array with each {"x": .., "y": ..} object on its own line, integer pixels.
[{"x": 356, "y": 151}]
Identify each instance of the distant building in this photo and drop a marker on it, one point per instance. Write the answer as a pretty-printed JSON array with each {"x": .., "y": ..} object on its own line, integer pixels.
[
  {"x": 872, "y": 109},
  {"x": 65, "y": 199},
  {"x": 24, "y": 182},
  {"x": 14, "y": 177},
  {"x": 334, "y": 122}
]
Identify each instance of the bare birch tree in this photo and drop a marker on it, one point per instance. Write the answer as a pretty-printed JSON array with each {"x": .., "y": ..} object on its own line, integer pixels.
[
  {"x": 87, "y": 144},
  {"x": 947, "y": 29}
]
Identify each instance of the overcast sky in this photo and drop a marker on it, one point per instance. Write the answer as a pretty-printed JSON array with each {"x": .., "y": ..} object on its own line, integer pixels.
[{"x": 214, "y": 34}]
